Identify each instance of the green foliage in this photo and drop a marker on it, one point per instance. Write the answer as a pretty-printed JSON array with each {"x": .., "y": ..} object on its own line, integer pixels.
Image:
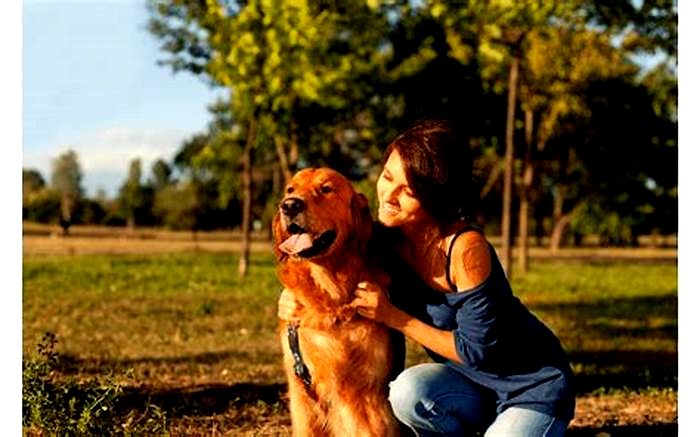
[
  {"x": 135, "y": 199},
  {"x": 180, "y": 206},
  {"x": 67, "y": 175},
  {"x": 42, "y": 206},
  {"x": 32, "y": 181},
  {"x": 591, "y": 219},
  {"x": 161, "y": 174},
  {"x": 69, "y": 407}
]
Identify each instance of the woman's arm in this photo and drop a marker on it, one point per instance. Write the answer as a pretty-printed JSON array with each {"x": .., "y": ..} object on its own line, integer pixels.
[
  {"x": 371, "y": 302},
  {"x": 470, "y": 266}
]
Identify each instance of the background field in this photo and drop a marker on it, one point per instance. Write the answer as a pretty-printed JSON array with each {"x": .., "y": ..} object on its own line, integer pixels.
[{"x": 169, "y": 319}]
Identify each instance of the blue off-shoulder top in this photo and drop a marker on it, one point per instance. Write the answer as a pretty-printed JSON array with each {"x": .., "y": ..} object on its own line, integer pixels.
[{"x": 503, "y": 346}]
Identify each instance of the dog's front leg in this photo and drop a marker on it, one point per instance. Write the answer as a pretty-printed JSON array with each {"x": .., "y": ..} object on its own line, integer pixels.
[
  {"x": 306, "y": 418},
  {"x": 360, "y": 416},
  {"x": 303, "y": 409}
]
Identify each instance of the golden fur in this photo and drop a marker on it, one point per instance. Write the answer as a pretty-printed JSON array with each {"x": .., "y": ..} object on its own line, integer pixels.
[{"x": 349, "y": 357}]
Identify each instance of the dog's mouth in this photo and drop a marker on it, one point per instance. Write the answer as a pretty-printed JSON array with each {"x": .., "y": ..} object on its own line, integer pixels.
[{"x": 304, "y": 245}]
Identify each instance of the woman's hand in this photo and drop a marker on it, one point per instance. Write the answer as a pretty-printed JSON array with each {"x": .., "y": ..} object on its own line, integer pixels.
[
  {"x": 287, "y": 306},
  {"x": 372, "y": 302}
]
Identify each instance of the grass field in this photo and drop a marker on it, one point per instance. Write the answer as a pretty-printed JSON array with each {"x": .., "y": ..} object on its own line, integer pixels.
[{"x": 189, "y": 341}]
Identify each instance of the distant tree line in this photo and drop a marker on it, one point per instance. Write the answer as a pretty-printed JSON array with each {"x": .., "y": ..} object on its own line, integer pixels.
[
  {"x": 572, "y": 137},
  {"x": 156, "y": 201}
]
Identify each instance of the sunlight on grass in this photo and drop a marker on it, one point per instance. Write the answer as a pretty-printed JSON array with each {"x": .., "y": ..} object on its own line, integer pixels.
[{"x": 185, "y": 322}]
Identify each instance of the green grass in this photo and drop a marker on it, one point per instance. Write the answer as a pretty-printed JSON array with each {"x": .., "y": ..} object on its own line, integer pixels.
[
  {"x": 147, "y": 311},
  {"x": 184, "y": 334},
  {"x": 618, "y": 321}
]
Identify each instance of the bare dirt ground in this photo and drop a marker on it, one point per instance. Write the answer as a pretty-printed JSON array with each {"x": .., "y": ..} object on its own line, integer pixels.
[{"x": 47, "y": 240}]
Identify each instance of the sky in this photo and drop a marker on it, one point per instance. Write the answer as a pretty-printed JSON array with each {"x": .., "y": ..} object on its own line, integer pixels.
[{"x": 91, "y": 84}]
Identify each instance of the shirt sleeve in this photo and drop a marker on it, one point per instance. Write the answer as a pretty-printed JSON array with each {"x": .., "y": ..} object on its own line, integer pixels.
[{"x": 476, "y": 334}]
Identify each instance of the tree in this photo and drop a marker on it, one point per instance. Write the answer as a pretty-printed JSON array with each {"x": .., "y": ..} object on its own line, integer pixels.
[
  {"x": 39, "y": 203},
  {"x": 267, "y": 55},
  {"x": 614, "y": 168},
  {"x": 562, "y": 46},
  {"x": 134, "y": 197},
  {"x": 181, "y": 206},
  {"x": 560, "y": 65},
  {"x": 32, "y": 181},
  {"x": 501, "y": 30},
  {"x": 160, "y": 175},
  {"x": 647, "y": 26},
  {"x": 66, "y": 178}
]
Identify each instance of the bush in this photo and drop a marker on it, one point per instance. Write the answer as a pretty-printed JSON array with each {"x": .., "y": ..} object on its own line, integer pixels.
[{"x": 67, "y": 407}]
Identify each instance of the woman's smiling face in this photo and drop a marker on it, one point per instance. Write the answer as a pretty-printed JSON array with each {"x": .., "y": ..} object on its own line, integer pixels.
[{"x": 398, "y": 205}]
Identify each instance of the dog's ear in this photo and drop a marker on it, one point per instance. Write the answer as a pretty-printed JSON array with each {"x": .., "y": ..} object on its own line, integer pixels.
[
  {"x": 363, "y": 220},
  {"x": 277, "y": 238}
]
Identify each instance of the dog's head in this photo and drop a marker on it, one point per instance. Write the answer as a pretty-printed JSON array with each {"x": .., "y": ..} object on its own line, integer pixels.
[{"x": 319, "y": 215}]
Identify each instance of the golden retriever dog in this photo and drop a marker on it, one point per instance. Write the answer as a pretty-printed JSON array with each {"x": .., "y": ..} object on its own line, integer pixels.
[{"x": 338, "y": 364}]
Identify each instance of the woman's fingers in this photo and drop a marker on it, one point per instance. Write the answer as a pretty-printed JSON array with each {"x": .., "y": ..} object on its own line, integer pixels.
[{"x": 287, "y": 306}]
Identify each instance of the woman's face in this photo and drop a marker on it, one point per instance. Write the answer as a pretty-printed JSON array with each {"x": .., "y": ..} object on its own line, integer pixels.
[{"x": 397, "y": 204}]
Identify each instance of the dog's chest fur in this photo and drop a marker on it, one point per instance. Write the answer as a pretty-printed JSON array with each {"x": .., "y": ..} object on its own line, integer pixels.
[{"x": 324, "y": 294}]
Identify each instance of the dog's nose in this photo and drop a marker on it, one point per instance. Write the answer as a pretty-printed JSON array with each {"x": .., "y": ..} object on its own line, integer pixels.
[{"x": 291, "y": 206}]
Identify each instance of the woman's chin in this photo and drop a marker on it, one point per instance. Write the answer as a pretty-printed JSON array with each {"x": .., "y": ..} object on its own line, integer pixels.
[{"x": 388, "y": 220}]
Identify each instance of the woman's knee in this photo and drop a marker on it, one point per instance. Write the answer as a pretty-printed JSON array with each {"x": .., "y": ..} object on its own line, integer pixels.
[
  {"x": 434, "y": 397},
  {"x": 412, "y": 387}
]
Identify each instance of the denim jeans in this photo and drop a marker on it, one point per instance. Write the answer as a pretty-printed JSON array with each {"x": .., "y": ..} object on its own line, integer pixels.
[{"x": 434, "y": 400}]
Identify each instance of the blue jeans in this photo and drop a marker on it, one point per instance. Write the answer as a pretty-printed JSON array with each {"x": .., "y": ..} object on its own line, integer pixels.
[{"x": 434, "y": 400}]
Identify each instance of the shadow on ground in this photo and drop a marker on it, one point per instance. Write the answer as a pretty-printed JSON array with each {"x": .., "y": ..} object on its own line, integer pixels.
[
  {"x": 665, "y": 430},
  {"x": 218, "y": 399},
  {"x": 204, "y": 401},
  {"x": 633, "y": 336}
]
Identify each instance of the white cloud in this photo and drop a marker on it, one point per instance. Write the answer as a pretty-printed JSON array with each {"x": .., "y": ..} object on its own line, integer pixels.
[
  {"x": 114, "y": 148},
  {"x": 104, "y": 155}
]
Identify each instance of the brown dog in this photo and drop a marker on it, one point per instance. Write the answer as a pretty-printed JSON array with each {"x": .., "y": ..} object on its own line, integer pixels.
[{"x": 343, "y": 361}]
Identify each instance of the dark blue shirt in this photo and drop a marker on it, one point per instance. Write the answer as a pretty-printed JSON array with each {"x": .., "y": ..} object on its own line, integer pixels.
[{"x": 504, "y": 347}]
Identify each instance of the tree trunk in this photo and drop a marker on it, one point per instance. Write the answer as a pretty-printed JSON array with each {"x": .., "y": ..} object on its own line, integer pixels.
[
  {"x": 246, "y": 179},
  {"x": 282, "y": 158},
  {"x": 131, "y": 224},
  {"x": 560, "y": 225},
  {"x": 293, "y": 147},
  {"x": 508, "y": 165},
  {"x": 526, "y": 186},
  {"x": 494, "y": 174},
  {"x": 66, "y": 213},
  {"x": 559, "y": 218}
]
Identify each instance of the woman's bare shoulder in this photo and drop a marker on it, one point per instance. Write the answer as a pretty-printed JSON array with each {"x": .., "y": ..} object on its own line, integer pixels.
[{"x": 470, "y": 261}]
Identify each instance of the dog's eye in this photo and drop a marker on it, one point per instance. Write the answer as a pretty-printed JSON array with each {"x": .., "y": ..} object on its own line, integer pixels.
[
  {"x": 326, "y": 189},
  {"x": 290, "y": 190}
]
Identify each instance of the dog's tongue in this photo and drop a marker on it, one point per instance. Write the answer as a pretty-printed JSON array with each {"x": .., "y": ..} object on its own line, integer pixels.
[{"x": 296, "y": 243}]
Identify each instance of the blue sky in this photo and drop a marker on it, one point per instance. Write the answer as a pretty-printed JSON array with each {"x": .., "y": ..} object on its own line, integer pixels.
[{"x": 91, "y": 84}]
